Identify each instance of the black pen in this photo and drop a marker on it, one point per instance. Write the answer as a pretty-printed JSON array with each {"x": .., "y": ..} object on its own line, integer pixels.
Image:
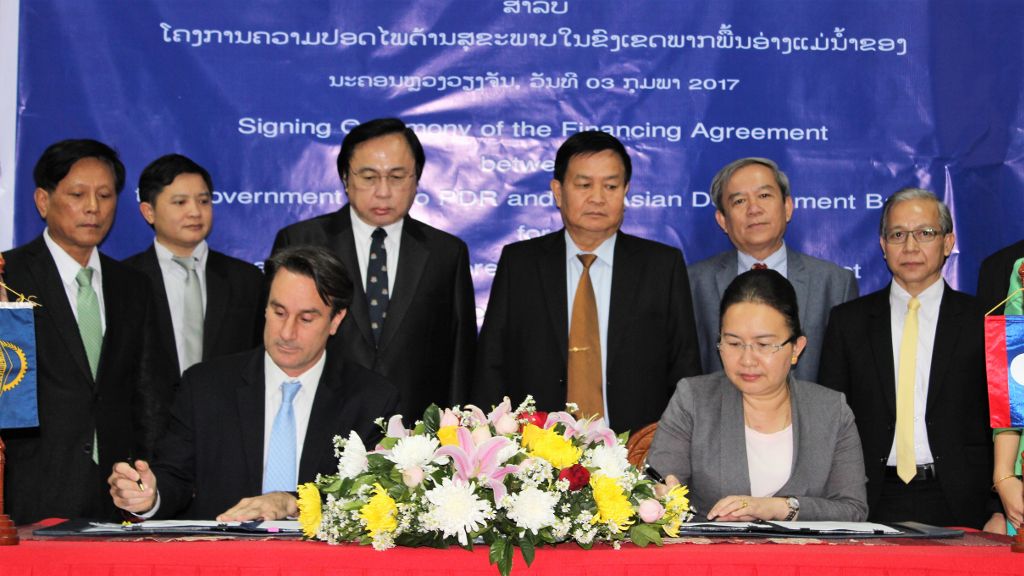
[
  {"x": 139, "y": 482},
  {"x": 654, "y": 474}
]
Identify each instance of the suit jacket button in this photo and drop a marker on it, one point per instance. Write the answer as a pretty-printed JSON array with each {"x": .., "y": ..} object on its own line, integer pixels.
[
  {"x": 883, "y": 459},
  {"x": 87, "y": 448}
]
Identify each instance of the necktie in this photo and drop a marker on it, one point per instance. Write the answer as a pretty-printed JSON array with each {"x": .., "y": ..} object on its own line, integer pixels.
[
  {"x": 906, "y": 463},
  {"x": 759, "y": 266},
  {"x": 377, "y": 283},
  {"x": 585, "y": 346},
  {"x": 280, "y": 475},
  {"x": 91, "y": 331},
  {"x": 192, "y": 319}
]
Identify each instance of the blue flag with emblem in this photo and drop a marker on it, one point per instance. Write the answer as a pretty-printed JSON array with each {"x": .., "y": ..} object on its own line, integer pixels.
[{"x": 18, "y": 407}]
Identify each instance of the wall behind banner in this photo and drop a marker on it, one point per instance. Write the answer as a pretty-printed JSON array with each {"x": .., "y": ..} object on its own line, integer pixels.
[{"x": 853, "y": 99}]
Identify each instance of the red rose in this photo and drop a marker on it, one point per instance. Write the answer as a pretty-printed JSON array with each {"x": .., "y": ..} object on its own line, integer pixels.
[
  {"x": 537, "y": 418},
  {"x": 578, "y": 476}
]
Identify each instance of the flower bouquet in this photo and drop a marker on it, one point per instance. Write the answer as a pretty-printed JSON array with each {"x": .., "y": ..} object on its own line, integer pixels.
[{"x": 512, "y": 478}]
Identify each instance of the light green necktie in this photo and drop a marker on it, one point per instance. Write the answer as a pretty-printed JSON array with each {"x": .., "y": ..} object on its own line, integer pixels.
[{"x": 91, "y": 330}]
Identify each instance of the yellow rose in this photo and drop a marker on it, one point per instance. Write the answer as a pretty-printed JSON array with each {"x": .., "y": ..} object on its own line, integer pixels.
[
  {"x": 310, "y": 510},
  {"x": 613, "y": 505},
  {"x": 448, "y": 435},
  {"x": 380, "y": 513}
]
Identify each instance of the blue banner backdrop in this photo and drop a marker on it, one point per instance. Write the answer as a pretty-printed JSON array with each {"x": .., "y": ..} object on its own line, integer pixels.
[{"x": 853, "y": 99}]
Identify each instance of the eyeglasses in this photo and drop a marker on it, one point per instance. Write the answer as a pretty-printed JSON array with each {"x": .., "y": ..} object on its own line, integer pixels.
[
  {"x": 736, "y": 347},
  {"x": 371, "y": 179},
  {"x": 921, "y": 235}
]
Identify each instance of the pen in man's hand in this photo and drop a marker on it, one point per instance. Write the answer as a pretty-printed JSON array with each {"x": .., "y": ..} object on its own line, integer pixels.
[{"x": 139, "y": 482}]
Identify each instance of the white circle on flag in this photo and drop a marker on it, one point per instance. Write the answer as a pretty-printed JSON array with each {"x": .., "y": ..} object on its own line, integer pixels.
[{"x": 1017, "y": 369}]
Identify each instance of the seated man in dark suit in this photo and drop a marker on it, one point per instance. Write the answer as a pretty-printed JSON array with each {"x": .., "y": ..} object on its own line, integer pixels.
[
  {"x": 208, "y": 303},
  {"x": 413, "y": 315},
  {"x": 753, "y": 206},
  {"x": 589, "y": 314},
  {"x": 247, "y": 428},
  {"x": 103, "y": 389},
  {"x": 910, "y": 359}
]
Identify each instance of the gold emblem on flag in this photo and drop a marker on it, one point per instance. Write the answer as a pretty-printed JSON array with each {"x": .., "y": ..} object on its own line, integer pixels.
[{"x": 7, "y": 383}]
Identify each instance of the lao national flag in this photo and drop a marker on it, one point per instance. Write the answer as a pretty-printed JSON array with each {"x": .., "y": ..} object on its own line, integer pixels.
[
  {"x": 1004, "y": 360},
  {"x": 17, "y": 366}
]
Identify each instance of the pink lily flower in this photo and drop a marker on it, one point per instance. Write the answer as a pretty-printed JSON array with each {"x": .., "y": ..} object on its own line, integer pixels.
[{"x": 480, "y": 462}]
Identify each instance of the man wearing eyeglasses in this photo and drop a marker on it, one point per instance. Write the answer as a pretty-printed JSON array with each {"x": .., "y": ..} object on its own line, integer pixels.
[
  {"x": 753, "y": 206},
  {"x": 413, "y": 316},
  {"x": 910, "y": 359}
]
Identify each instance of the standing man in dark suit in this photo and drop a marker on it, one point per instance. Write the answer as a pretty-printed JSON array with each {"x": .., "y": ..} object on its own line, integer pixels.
[
  {"x": 633, "y": 337},
  {"x": 208, "y": 303},
  {"x": 262, "y": 421},
  {"x": 102, "y": 384},
  {"x": 911, "y": 362},
  {"x": 994, "y": 276},
  {"x": 413, "y": 317},
  {"x": 753, "y": 206}
]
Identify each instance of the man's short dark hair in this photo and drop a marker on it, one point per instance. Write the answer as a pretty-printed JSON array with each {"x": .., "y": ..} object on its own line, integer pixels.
[
  {"x": 162, "y": 171},
  {"x": 328, "y": 273},
  {"x": 58, "y": 158},
  {"x": 587, "y": 143},
  {"x": 375, "y": 129}
]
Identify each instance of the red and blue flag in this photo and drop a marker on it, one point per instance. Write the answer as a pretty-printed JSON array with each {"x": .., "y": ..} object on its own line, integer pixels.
[{"x": 1004, "y": 360}]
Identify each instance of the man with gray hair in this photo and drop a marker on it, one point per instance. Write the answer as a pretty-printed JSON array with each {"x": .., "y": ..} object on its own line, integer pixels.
[
  {"x": 910, "y": 359},
  {"x": 753, "y": 207}
]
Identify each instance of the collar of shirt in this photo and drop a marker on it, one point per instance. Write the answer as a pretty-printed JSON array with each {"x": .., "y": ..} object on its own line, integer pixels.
[
  {"x": 68, "y": 267},
  {"x": 930, "y": 298},
  {"x": 605, "y": 252},
  {"x": 775, "y": 261},
  {"x": 200, "y": 253},
  {"x": 302, "y": 404},
  {"x": 362, "y": 233}
]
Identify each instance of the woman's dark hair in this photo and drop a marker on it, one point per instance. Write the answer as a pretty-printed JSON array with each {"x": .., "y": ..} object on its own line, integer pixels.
[{"x": 764, "y": 287}]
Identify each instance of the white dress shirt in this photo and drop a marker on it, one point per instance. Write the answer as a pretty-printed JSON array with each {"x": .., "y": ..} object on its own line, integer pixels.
[
  {"x": 68, "y": 269},
  {"x": 302, "y": 404},
  {"x": 775, "y": 261},
  {"x": 927, "y": 322},
  {"x": 174, "y": 284},
  {"x": 601, "y": 280},
  {"x": 362, "y": 233}
]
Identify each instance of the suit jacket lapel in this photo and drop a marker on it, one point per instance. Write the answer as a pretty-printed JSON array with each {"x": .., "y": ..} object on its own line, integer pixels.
[
  {"x": 250, "y": 396},
  {"x": 625, "y": 277},
  {"x": 551, "y": 271},
  {"x": 412, "y": 261},
  {"x": 797, "y": 276},
  {"x": 344, "y": 245},
  {"x": 55, "y": 303},
  {"x": 150, "y": 266},
  {"x": 947, "y": 330},
  {"x": 112, "y": 294},
  {"x": 733, "y": 455},
  {"x": 880, "y": 338},
  {"x": 328, "y": 416},
  {"x": 725, "y": 274},
  {"x": 217, "y": 302}
]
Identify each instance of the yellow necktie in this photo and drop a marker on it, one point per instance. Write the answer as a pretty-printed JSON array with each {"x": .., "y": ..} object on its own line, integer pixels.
[
  {"x": 906, "y": 463},
  {"x": 584, "y": 370}
]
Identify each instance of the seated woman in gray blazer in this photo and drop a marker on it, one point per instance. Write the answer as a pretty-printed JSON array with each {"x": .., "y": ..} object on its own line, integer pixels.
[{"x": 752, "y": 442}]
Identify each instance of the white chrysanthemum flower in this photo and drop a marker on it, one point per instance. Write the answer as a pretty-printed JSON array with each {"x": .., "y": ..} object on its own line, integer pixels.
[
  {"x": 533, "y": 509},
  {"x": 455, "y": 510},
  {"x": 414, "y": 451},
  {"x": 609, "y": 460},
  {"x": 353, "y": 460}
]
